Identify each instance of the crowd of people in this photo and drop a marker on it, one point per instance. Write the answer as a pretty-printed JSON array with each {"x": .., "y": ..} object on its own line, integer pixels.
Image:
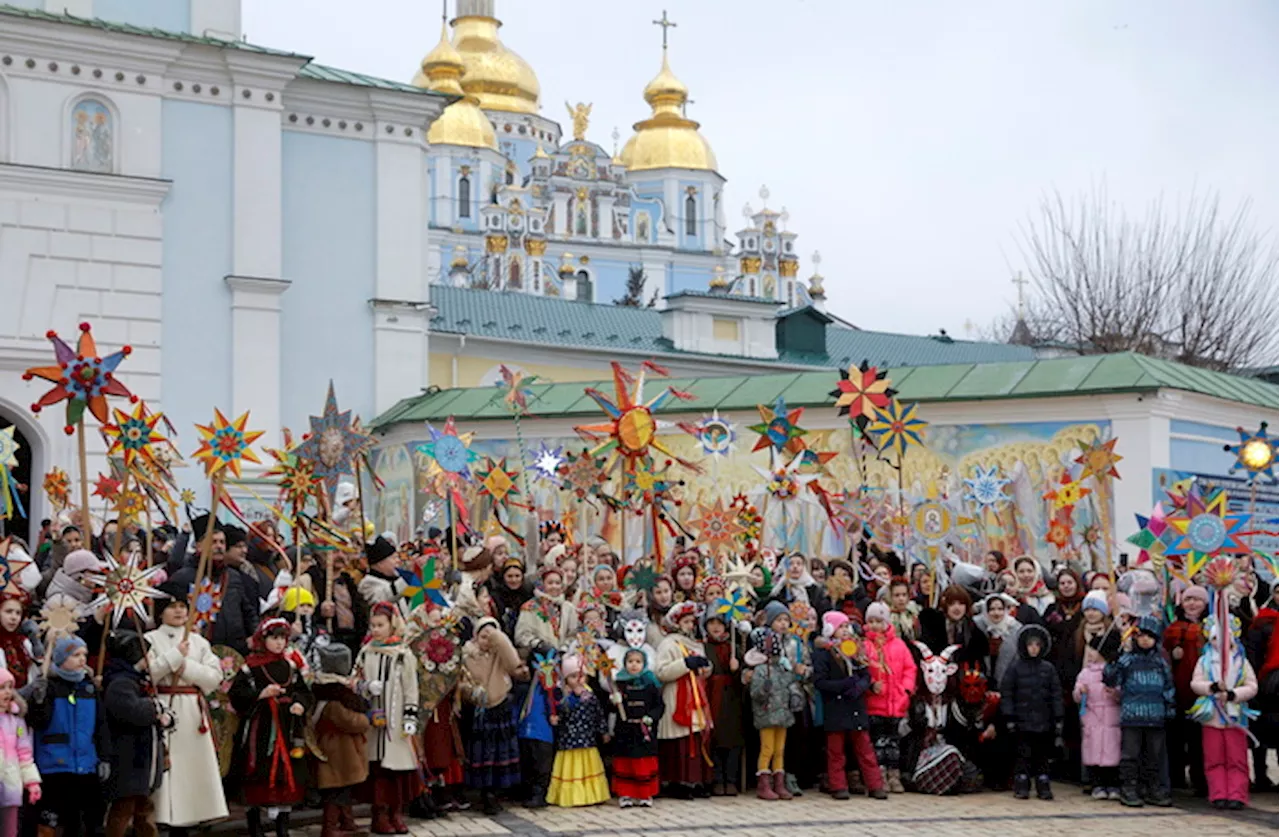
[{"x": 565, "y": 677}]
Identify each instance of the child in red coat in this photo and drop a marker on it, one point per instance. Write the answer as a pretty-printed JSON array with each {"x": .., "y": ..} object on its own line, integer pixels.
[{"x": 893, "y": 679}]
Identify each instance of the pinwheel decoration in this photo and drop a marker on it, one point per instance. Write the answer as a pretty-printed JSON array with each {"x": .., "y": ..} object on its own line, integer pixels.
[
  {"x": 1099, "y": 460},
  {"x": 333, "y": 443},
  {"x": 57, "y": 487},
  {"x": 423, "y": 585},
  {"x": 132, "y": 435},
  {"x": 496, "y": 482},
  {"x": 717, "y": 526},
  {"x": 208, "y": 603},
  {"x": 735, "y": 607},
  {"x": 225, "y": 444},
  {"x": 631, "y": 431},
  {"x": 779, "y": 428},
  {"x": 547, "y": 460},
  {"x": 986, "y": 488},
  {"x": 716, "y": 435},
  {"x": 108, "y": 488},
  {"x": 1255, "y": 453},
  {"x": 582, "y": 474},
  {"x": 1205, "y": 528},
  {"x": 9, "y": 500},
  {"x": 80, "y": 378},
  {"x": 863, "y": 391},
  {"x": 518, "y": 388},
  {"x": 897, "y": 427},
  {"x": 296, "y": 474},
  {"x": 1067, "y": 494},
  {"x": 125, "y": 586}
]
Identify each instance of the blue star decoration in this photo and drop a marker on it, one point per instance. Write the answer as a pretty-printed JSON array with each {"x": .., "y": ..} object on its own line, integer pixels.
[
  {"x": 333, "y": 443},
  {"x": 1256, "y": 453},
  {"x": 986, "y": 488}
]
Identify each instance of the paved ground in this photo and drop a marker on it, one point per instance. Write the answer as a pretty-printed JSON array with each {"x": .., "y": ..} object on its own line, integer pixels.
[{"x": 1070, "y": 815}]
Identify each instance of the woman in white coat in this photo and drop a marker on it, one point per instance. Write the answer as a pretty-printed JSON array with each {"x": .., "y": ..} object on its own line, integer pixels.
[
  {"x": 184, "y": 671},
  {"x": 682, "y": 668}
]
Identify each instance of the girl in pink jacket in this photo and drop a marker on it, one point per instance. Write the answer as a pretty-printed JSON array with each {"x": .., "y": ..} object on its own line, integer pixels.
[
  {"x": 1099, "y": 718},
  {"x": 893, "y": 679},
  {"x": 17, "y": 763}
]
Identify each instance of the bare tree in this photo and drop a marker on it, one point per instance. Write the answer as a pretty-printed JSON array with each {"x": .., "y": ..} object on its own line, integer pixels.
[{"x": 1194, "y": 284}]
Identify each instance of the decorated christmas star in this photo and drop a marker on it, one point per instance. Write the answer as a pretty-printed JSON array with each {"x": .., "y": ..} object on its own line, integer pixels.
[
  {"x": 717, "y": 526},
  {"x": 986, "y": 488},
  {"x": 108, "y": 488},
  {"x": 779, "y": 428},
  {"x": 59, "y": 616},
  {"x": 897, "y": 427},
  {"x": 125, "y": 586},
  {"x": 1067, "y": 494},
  {"x": 449, "y": 451},
  {"x": 225, "y": 444},
  {"x": 80, "y": 378},
  {"x": 333, "y": 443},
  {"x": 630, "y": 432},
  {"x": 295, "y": 474},
  {"x": 13, "y": 560},
  {"x": 133, "y": 434},
  {"x": 57, "y": 487},
  {"x": 1060, "y": 526},
  {"x": 1256, "y": 453},
  {"x": 642, "y": 576},
  {"x": 715, "y": 435},
  {"x": 496, "y": 481},
  {"x": 1099, "y": 460},
  {"x": 187, "y": 496},
  {"x": 547, "y": 460},
  {"x": 738, "y": 573},
  {"x": 784, "y": 482},
  {"x": 1150, "y": 537},
  {"x": 863, "y": 391},
  {"x": 131, "y": 506},
  {"x": 208, "y": 603},
  {"x": 1206, "y": 528},
  {"x": 517, "y": 386},
  {"x": 582, "y": 474}
]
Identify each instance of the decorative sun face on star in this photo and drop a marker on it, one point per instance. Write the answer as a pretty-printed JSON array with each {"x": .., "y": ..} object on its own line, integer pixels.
[
  {"x": 631, "y": 431},
  {"x": 1256, "y": 453}
]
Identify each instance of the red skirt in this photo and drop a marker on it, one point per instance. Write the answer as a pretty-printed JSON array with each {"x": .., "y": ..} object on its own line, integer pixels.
[
  {"x": 683, "y": 760},
  {"x": 635, "y": 778},
  {"x": 391, "y": 788}
]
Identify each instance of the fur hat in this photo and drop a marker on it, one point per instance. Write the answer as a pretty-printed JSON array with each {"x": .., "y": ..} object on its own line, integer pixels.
[
  {"x": 475, "y": 559},
  {"x": 831, "y": 622},
  {"x": 678, "y": 611},
  {"x": 492, "y": 542},
  {"x": 1195, "y": 591},
  {"x": 554, "y": 554},
  {"x": 234, "y": 535},
  {"x": 380, "y": 550},
  {"x": 334, "y": 658},
  {"x": 81, "y": 561},
  {"x": 65, "y": 647},
  {"x": 1096, "y": 600},
  {"x": 877, "y": 610},
  {"x": 126, "y": 645},
  {"x": 773, "y": 610}
]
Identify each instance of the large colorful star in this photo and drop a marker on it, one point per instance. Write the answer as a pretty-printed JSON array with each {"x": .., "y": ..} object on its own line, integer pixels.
[
  {"x": 296, "y": 474},
  {"x": 1067, "y": 494},
  {"x": 1205, "y": 528},
  {"x": 785, "y": 482},
  {"x": 863, "y": 391},
  {"x": 517, "y": 386},
  {"x": 1060, "y": 526},
  {"x": 80, "y": 378},
  {"x": 1099, "y": 460},
  {"x": 582, "y": 474},
  {"x": 547, "y": 460},
  {"x": 449, "y": 453},
  {"x": 1256, "y": 453},
  {"x": 1150, "y": 537},
  {"x": 716, "y": 435},
  {"x": 897, "y": 427},
  {"x": 496, "y": 481},
  {"x": 125, "y": 586},
  {"x": 225, "y": 444},
  {"x": 985, "y": 489},
  {"x": 717, "y": 526},
  {"x": 631, "y": 431},
  {"x": 133, "y": 434},
  {"x": 333, "y": 443},
  {"x": 779, "y": 428}
]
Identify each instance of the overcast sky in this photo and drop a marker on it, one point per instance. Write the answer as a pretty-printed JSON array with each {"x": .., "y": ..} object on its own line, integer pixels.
[{"x": 907, "y": 140}]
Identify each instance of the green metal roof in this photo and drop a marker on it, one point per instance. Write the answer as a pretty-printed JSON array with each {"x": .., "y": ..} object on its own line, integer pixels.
[
  {"x": 562, "y": 322},
  {"x": 311, "y": 70},
  {"x": 1055, "y": 377}
]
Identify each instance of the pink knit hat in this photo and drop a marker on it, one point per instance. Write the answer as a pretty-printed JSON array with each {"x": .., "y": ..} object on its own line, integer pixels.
[
  {"x": 1195, "y": 591},
  {"x": 831, "y": 622},
  {"x": 571, "y": 665},
  {"x": 79, "y": 561}
]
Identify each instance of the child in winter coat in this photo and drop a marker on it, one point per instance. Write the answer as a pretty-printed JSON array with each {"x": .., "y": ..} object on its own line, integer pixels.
[
  {"x": 133, "y": 746},
  {"x": 64, "y": 713},
  {"x": 686, "y": 724},
  {"x": 1225, "y": 681},
  {"x": 16, "y": 651},
  {"x": 1184, "y": 639},
  {"x": 388, "y": 672},
  {"x": 893, "y": 680},
  {"x": 638, "y": 698},
  {"x": 18, "y": 771},
  {"x": 1099, "y": 718},
  {"x": 1031, "y": 701},
  {"x": 1145, "y": 683},
  {"x": 841, "y": 677},
  {"x": 341, "y": 726},
  {"x": 577, "y": 776},
  {"x": 724, "y": 697},
  {"x": 770, "y": 678}
]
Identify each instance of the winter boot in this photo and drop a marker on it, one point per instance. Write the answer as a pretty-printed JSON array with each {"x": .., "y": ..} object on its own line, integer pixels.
[
  {"x": 490, "y": 805},
  {"x": 894, "y": 781},
  {"x": 253, "y": 821},
  {"x": 1043, "y": 789},
  {"x": 423, "y": 807},
  {"x": 780, "y": 785},
  {"x": 282, "y": 824},
  {"x": 331, "y": 825},
  {"x": 764, "y": 786},
  {"x": 396, "y": 816},
  {"x": 793, "y": 785},
  {"x": 1158, "y": 798},
  {"x": 1129, "y": 797},
  {"x": 537, "y": 796},
  {"x": 841, "y": 794},
  {"x": 1022, "y": 786},
  {"x": 347, "y": 820},
  {"x": 460, "y": 802},
  {"x": 381, "y": 821},
  {"x": 855, "y": 782},
  {"x": 878, "y": 793}
]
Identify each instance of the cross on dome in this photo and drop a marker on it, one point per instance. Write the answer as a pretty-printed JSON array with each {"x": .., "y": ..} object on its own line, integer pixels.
[{"x": 666, "y": 24}]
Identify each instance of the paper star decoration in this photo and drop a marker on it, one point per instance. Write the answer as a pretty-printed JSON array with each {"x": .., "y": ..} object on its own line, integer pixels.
[
  {"x": 582, "y": 474},
  {"x": 1067, "y": 494},
  {"x": 1206, "y": 528},
  {"x": 716, "y": 435},
  {"x": 1059, "y": 533},
  {"x": 631, "y": 430},
  {"x": 333, "y": 443},
  {"x": 518, "y": 389},
  {"x": 188, "y": 496},
  {"x": 225, "y": 444},
  {"x": 896, "y": 428},
  {"x": 642, "y": 576},
  {"x": 296, "y": 474},
  {"x": 80, "y": 378},
  {"x": 1256, "y": 453},
  {"x": 1150, "y": 537},
  {"x": 779, "y": 428},
  {"x": 784, "y": 482},
  {"x": 208, "y": 603},
  {"x": 131, "y": 505},
  {"x": 108, "y": 488},
  {"x": 717, "y": 526},
  {"x": 124, "y": 586},
  {"x": 496, "y": 481},
  {"x": 863, "y": 391},
  {"x": 738, "y": 573},
  {"x": 449, "y": 451},
  {"x": 13, "y": 560},
  {"x": 547, "y": 460},
  {"x": 9, "y": 448},
  {"x": 1099, "y": 460},
  {"x": 986, "y": 488},
  {"x": 59, "y": 616},
  {"x": 57, "y": 487},
  {"x": 424, "y": 585},
  {"x": 132, "y": 435}
]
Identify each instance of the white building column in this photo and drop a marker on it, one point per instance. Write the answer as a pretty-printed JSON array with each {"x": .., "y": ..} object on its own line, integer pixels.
[
  {"x": 400, "y": 335},
  {"x": 255, "y": 350},
  {"x": 1141, "y": 429}
]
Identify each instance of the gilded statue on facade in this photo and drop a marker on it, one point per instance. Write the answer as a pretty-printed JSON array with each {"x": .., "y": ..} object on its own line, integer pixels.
[{"x": 580, "y": 114}]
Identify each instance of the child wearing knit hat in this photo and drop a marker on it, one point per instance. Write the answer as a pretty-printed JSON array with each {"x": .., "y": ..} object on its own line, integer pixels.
[
  {"x": 1184, "y": 640},
  {"x": 769, "y": 682},
  {"x": 840, "y": 675},
  {"x": 893, "y": 680}
]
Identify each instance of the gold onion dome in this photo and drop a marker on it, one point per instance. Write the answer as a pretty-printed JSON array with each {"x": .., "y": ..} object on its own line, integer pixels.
[
  {"x": 667, "y": 140},
  {"x": 461, "y": 123},
  {"x": 496, "y": 76}
]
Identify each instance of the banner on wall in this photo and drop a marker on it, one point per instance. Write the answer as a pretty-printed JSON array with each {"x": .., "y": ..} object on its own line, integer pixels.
[{"x": 1265, "y": 497}]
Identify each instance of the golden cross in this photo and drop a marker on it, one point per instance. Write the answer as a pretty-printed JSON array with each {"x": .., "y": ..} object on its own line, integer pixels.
[{"x": 666, "y": 24}]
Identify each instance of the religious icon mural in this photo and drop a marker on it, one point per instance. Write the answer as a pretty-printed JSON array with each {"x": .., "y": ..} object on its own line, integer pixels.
[{"x": 92, "y": 140}]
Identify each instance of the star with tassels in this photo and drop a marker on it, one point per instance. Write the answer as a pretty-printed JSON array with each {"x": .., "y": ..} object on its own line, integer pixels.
[
  {"x": 125, "y": 586},
  {"x": 1206, "y": 528},
  {"x": 1255, "y": 453},
  {"x": 496, "y": 481},
  {"x": 518, "y": 388},
  {"x": 133, "y": 434},
  {"x": 1067, "y": 494},
  {"x": 582, "y": 474},
  {"x": 1099, "y": 460},
  {"x": 448, "y": 452},
  {"x": 333, "y": 443},
  {"x": 631, "y": 431},
  {"x": 717, "y": 526},
  {"x": 779, "y": 428},
  {"x": 80, "y": 378},
  {"x": 225, "y": 444},
  {"x": 897, "y": 427},
  {"x": 862, "y": 392}
]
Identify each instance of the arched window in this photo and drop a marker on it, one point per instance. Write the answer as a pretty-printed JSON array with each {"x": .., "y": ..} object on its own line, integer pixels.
[
  {"x": 92, "y": 139},
  {"x": 513, "y": 275},
  {"x": 464, "y": 197},
  {"x": 511, "y": 177},
  {"x": 690, "y": 215},
  {"x": 586, "y": 293}
]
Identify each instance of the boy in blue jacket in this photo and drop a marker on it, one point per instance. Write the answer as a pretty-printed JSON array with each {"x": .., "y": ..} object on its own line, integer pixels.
[{"x": 1145, "y": 682}]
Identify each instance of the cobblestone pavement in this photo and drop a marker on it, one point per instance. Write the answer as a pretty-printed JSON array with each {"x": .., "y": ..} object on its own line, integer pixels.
[{"x": 902, "y": 815}]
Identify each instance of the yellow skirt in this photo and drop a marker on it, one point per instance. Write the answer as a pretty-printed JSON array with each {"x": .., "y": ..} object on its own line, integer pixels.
[{"x": 577, "y": 778}]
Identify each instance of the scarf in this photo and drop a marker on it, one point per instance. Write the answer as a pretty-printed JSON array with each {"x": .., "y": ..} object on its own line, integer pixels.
[
  {"x": 66, "y": 585},
  {"x": 509, "y": 599},
  {"x": 1038, "y": 590},
  {"x": 257, "y": 659},
  {"x": 71, "y": 676},
  {"x": 639, "y": 681}
]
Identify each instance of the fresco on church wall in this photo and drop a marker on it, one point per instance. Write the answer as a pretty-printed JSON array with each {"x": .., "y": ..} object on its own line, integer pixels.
[
  {"x": 92, "y": 137},
  {"x": 394, "y": 503}
]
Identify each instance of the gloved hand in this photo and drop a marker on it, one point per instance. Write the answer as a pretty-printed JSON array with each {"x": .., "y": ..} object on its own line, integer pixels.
[
  {"x": 410, "y": 726},
  {"x": 104, "y": 771},
  {"x": 33, "y": 792},
  {"x": 694, "y": 662},
  {"x": 616, "y": 697},
  {"x": 374, "y": 687}
]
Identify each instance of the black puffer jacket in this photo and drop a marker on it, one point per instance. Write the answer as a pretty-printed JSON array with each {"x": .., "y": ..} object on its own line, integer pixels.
[
  {"x": 842, "y": 687},
  {"x": 1030, "y": 694}
]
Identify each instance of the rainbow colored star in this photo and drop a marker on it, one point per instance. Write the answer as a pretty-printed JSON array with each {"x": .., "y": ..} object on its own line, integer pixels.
[
  {"x": 225, "y": 444},
  {"x": 80, "y": 378}
]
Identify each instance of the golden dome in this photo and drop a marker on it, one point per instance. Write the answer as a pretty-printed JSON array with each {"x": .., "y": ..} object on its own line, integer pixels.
[
  {"x": 461, "y": 123},
  {"x": 496, "y": 76},
  {"x": 667, "y": 140}
]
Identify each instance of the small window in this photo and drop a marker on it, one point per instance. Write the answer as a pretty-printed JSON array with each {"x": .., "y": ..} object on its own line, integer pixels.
[
  {"x": 690, "y": 216},
  {"x": 535, "y": 225},
  {"x": 586, "y": 292},
  {"x": 511, "y": 177},
  {"x": 92, "y": 137},
  {"x": 788, "y": 246},
  {"x": 724, "y": 330},
  {"x": 464, "y": 197}
]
